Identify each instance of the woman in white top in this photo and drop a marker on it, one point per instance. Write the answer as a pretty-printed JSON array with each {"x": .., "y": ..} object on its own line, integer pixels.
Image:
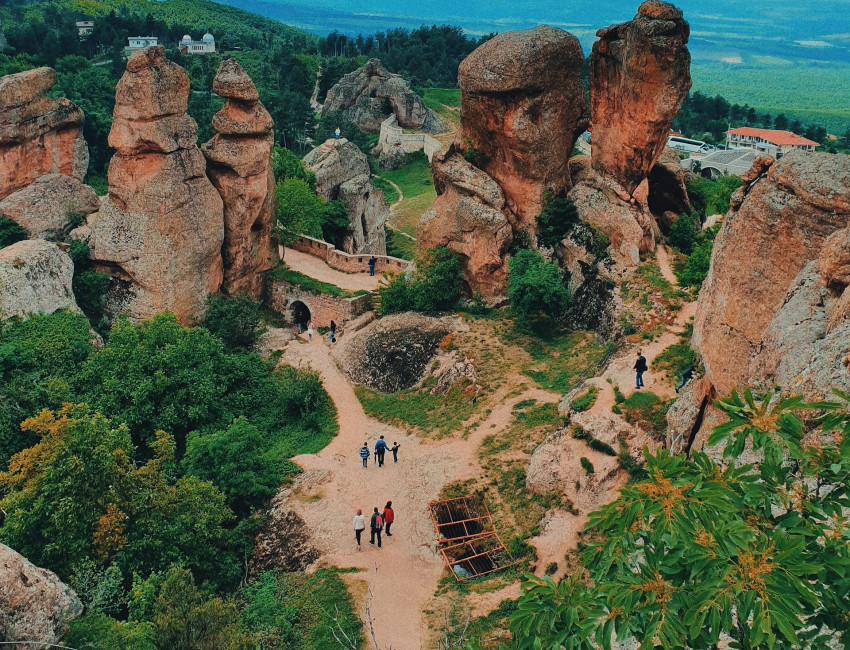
[
  {"x": 310, "y": 331},
  {"x": 359, "y": 525}
]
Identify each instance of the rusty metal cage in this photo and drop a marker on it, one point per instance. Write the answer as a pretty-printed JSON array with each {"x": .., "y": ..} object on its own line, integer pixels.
[{"x": 477, "y": 556}]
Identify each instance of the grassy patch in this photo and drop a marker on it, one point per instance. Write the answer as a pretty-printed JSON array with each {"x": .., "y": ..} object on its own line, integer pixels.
[
  {"x": 677, "y": 357},
  {"x": 417, "y": 407},
  {"x": 283, "y": 272},
  {"x": 398, "y": 245},
  {"x": 442, "y": 101},
  {"x": 414, "y": 180},
  {"x": 653, "y": 302},
  {"x": 390, "y": 192},
  {"x": 586, "y": 400},
  {"x": 558, "y": 358},
  {"x": 647, "y": 410}
]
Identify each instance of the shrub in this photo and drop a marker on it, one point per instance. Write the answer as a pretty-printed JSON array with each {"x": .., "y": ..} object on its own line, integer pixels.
[
  {"x": 558, "y": 215},
  {"x": 334, "y": 223},
  {"x": 684, "y": 233},
  {"x": 580, "y": 433},
  {"x": 619, "y": 398},
  {"x": 535, "y": 286},
  {"x": 696, "y": 266},
  {"x": 586, "y": 465},
  {"x": 236, "y": 320},
  {"x": 433, "y": 286},
  {"x": 598, "y": 445},
  {"x": 299, "y": 210},
  {"x": 395, "y": 296},
  {"x": 11, "y": 232},
  {"x": 647, "y": 410},
  {"x": 287, "y": 165},
  {"x": 585, "y": 401}
]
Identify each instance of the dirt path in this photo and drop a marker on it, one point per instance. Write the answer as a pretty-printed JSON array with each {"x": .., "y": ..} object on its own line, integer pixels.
[
  {"x": 401, "y": 577},
  {"x": 663, "y": 256},
  {"x": 398, "y": 190},
  {"x": 318, "y": 269}
]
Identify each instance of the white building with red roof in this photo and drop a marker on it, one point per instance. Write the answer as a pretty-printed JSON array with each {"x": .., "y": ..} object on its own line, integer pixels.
[{"x": 769, "y": 141}]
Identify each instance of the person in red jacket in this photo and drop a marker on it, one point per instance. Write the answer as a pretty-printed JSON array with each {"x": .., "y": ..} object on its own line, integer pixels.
[{"x": 389, "y": 517}]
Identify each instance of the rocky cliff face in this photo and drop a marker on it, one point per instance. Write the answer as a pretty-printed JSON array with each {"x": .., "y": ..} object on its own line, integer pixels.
[
  {"x": 160, "y": 229},
  {"x": 368, "y": 95},
  {"x": 640, "y": 75},
  {"x": 51, "y": 206},
  {"x": 522, "y": 108},
  {"x": 35, "y": 276},
  {"x": 469, "y": 217},
  {"x": 38, "y": 135},
  {"x": 342, "y": 174},
  {"x": 34, "y": 604},
  {"x": 239, "y": 165},
  {"x": 775, "y": 305}
]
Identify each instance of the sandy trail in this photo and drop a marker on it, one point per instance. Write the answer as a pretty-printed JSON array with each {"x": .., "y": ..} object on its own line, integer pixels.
[
  {"x": 402, "y": 576},
  {"x": 318, "y": 269}
]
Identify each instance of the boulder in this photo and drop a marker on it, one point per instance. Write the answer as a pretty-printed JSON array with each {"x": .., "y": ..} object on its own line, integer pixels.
[
  {"x": 34, "y": 604},
  {"x": 342, "y": 174},
  {"x": 667, "y": 191},
  {"x": 522, "y": 107},
  {"x": 639, "y": 76},
  {"x": 368, "y": 95},
  {"x": 160, "y": 229},
  {"x": 765, "y": 312},
  {"x": 239, "y": 166},
  {"x": 35, "y": 277},
  {"x": 38, "y": 135},
  {"x": 51, "y": 206},
  {"x": 393, "y": 353},
  {"x": 469, "y": 218}
]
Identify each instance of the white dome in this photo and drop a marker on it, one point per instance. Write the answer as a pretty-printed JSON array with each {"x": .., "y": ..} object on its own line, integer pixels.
[
  {"x": 208, "y": 38},
  {"x": 186, "y": 39}
]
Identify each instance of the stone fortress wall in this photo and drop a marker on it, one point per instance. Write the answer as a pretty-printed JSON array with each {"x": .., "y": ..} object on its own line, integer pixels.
[{"x": 392, "y": 135}]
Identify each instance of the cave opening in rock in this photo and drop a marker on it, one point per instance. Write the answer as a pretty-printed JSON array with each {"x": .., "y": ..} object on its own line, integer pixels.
[{"x": 300, "y": 314}]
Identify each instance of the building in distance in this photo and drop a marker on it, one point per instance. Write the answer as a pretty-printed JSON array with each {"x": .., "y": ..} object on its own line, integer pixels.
[
  {"x": 768, "y": 141},
  {"x": 205, "y": 46},
  {"x": 138, "y": 42},
  {"x": 85, "y": 28}
]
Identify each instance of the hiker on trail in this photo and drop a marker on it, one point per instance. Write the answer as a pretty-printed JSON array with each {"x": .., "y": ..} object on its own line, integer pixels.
[
  {"x": 310, "y": 331},
  {"x": 380, "y": 450},
  {"x": 377, "y": 524},
  {"x": 686, "y": 377},
  {"x": 640, "y": 368},
  {"x": 372, "y": 262},
  {"x": 359, "y": 525},
  {"x": 336, "y": 134},
  {"x": 389, "y": 517},
  {"x": 333, "y": 332},
  {"x": 364, "y": 454},
  {"x": 394, "y": 449}
]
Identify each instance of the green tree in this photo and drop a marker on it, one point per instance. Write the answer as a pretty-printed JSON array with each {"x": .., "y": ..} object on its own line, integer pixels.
[
  {"x": 287, "y": 165},
  {"x": 436, "y": 282},
  {"x": 97, "y": 631},
  {"x": 335, "y": 223},
  {"x": 558, "y": 215},
  {"x": 683, "y": 233},
  {"x": 395, "y": 296},
  {"x": 758, "y": 552},
  {"x": 235, "y": 320},
  {"x": 535, "y": 286},
  {"x": 232, "y": 461},
  {"x": 299, "y": 210}
]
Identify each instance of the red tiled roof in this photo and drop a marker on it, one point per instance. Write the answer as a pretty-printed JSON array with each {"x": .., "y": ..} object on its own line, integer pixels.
[{"x": 778, "y": 138}]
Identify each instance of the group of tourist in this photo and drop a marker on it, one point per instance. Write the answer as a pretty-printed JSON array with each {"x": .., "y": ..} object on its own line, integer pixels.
[
  {"x": 641, "y": 367},
  {"x": 381, "y": 448},
  {"x": 309, "y": 330},
  {"x": 378, "y": 523}
]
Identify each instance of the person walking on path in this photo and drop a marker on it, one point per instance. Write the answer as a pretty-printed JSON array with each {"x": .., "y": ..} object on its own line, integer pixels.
[
  {"x": 372, "y": 262},
  {"x": 364, "y": 454},
  {"x": 310, "y": 331},
  {"x": 686, "y": 377},
  {"x": 380, "y": 450},
  {"x": 333, "y": 332},
  {"x": 394, "y": 449},
  {"x": 359, "y": 525},
  {"x": 377, "y": 525},
  {"x": 389, "y": 517},
  {"x": 640, "y": 368}
]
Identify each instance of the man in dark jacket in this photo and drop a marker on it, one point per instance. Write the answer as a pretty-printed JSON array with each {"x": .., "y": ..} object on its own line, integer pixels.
[
  {"x": 377, "y": 525},
  {"x": 640, "y": 368},
  {"x": 380, "y": 450},
  {"x": 686, "y": 377}
]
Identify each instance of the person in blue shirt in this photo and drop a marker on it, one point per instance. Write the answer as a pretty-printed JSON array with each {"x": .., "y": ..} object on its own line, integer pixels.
[
  {"x": 364, "y": 454},
  {"x": 380, "y": 450}
]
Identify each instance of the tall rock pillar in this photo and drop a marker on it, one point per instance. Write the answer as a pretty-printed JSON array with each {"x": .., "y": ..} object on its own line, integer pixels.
[
  {"x": 239, "y": 165},
  {"x": 160, "y": 229}
]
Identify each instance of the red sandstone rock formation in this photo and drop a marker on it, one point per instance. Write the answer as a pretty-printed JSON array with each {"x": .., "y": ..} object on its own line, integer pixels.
[
  {"x": 668, "y": 196},
  {"x": 361, "y": 97},
  {"x": 38, "y": 135},
  {"x": 774, "y": 308},
  {"x": 522, "y": 108},
  {"x": 639, "y": 74},
  {"x": 160, "y": 229},
  {"x": 342, "y": 174},
  {"x": 469, "y": 218},
  {"x": 51, "y": 206},
  {"x": 34, "y": 604},
  {"x": 239, "y": 165}
]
